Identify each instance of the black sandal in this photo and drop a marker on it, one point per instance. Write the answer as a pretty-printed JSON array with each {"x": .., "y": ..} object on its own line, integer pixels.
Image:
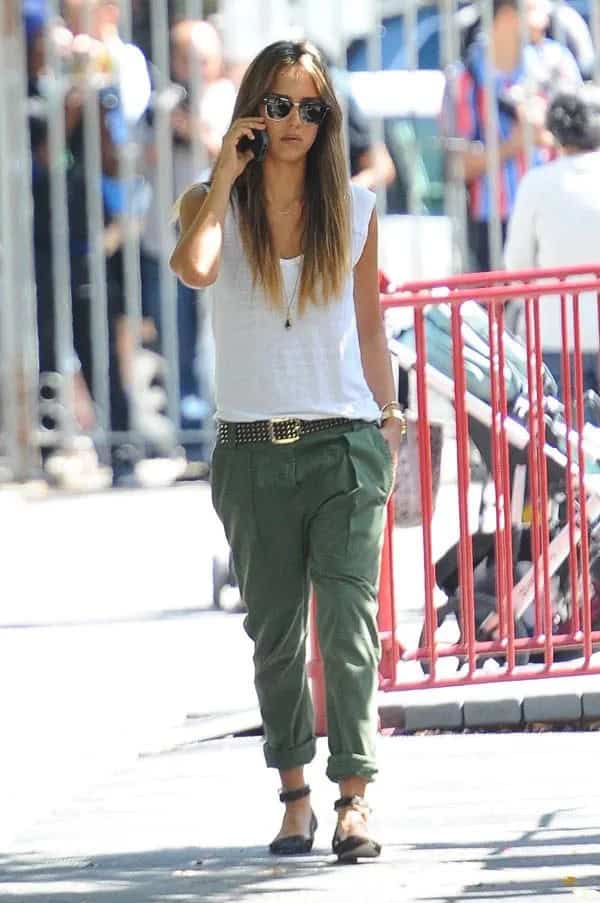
[
  {"x": 295, "y": 844},
  {"x": 353, "y": 846}
]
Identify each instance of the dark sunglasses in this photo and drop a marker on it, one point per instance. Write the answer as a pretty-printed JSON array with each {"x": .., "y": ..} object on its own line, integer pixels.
[{"x": 278, "y": 106}]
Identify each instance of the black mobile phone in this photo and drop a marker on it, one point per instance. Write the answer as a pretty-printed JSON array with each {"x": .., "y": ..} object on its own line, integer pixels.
[{"x": 258, "y": 145}]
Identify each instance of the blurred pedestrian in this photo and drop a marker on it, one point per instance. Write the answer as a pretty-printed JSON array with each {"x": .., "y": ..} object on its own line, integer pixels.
[
  {"x": 556, "y": 221},
  {"x": 78, "y": 365},
  {"x": 524, "y": 78},
  {"x": 197, "y": 53},
  {"x": 301, "y": 470},
  {"x": 95, "y": 25},
  {"x": 97, "y": 49},
  {"x": 370, "y": 162},
  {"x": 198, "y": 123}
]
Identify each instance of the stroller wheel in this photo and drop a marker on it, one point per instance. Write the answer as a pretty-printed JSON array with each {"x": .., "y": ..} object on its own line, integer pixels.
[
  {"x": 484, "y": 606},
  {"x": 441, "y": 613},
  {"x": 226, "y": 595},
  {"x": 220, "y": 575}
]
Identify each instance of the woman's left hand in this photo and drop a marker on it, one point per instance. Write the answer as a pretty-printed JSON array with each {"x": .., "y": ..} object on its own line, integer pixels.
[{"x": 394, "y": 433}]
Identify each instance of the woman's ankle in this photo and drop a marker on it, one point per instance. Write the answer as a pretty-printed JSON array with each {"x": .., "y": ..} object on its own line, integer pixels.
[
  {"x": 292, "y": 779},
  {"x": 352, "y": 786}
]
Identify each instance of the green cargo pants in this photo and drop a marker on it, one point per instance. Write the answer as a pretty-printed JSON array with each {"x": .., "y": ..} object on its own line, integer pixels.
[{"x": 310, "y": 512}]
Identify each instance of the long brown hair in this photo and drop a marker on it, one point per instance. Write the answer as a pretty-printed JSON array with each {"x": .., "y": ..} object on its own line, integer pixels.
[{"x": 326, "y": 227}]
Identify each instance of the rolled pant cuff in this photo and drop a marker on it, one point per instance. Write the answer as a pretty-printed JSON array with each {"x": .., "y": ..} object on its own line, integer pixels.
[
  {"x": 347, "y": 765},
  {"x": 295, "y": 757}
]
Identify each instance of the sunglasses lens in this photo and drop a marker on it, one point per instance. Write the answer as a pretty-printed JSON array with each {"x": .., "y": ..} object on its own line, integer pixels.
[
  {"x": 277, "y": 107},
  {"x": 313, "y": 112}
]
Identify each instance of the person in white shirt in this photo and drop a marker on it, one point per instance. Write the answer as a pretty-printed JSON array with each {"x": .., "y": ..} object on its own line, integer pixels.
[
  {"x": 556, "y": 221},
  {"x": 95, "y": 25},
  {"x": 301, "y": 472}
]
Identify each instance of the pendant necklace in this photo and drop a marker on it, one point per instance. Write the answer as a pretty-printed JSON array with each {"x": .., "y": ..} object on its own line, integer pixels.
[{"x": 290, "y": 300}]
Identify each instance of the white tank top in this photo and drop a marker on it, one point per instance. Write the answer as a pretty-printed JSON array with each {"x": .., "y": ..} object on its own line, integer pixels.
[{"x": 310, "y": 370}]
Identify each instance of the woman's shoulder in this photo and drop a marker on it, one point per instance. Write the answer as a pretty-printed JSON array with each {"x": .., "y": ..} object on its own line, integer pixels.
[
  {"x": 362, "y": 198},
  {"x": 193, "y": 196},
  {"x": 363, "y": 204}
]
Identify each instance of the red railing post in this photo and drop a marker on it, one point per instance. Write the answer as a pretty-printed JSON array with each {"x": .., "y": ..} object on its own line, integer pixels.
[{"x": 386, "y": 615}]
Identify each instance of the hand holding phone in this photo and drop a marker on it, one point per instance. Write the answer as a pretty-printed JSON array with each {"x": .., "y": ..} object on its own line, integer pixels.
[{"x": 258, "y": 145}]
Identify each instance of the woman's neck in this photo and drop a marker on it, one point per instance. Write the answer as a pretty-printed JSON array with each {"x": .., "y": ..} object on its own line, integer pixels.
[{"x": 283, "y": 183}]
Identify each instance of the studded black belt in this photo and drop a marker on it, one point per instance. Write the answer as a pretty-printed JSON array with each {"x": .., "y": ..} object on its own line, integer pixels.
[{"x": 278, "y": 430}]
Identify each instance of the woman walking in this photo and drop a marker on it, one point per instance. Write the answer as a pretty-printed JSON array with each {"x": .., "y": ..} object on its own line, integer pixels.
[{"x": 308, "y": 429}]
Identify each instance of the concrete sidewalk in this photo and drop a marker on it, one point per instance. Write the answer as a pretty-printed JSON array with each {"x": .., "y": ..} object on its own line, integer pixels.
[
  {"x": 105, "y": 648},
  {"x": 461, "y": 817}
]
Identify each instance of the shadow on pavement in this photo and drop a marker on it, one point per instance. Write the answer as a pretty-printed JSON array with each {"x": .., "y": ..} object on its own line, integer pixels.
[
  {"x": 513, "y": 891},
  {"x": 228, "y": 873},
  {"x": 524, "y": 854}
]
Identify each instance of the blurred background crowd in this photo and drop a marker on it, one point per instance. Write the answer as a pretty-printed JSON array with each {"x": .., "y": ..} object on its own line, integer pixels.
[{"x": 110, "y": 108}]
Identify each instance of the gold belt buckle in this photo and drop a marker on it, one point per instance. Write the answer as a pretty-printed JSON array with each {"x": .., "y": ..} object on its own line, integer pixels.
[{"x": 286, "y": 440}]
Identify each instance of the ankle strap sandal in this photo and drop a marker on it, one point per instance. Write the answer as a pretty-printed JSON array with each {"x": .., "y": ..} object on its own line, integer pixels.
[
  {"x": 352, "y": 847},
  {"x": 352, "y": 802},
  {"x": 290, "y": 796},
  {"x": 295, "y": 844}
]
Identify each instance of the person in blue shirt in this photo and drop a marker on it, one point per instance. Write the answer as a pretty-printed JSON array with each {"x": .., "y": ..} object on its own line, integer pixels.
[{"x": 543, "y": 63}]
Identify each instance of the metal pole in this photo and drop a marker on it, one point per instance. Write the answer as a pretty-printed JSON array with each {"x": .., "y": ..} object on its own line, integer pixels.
[
  {"x": 58, "y": 85},
  {"x": 27, "y": 302},
  {"x": 128, "y": 155},
  {"x": 415, "y": 201},
  {"x": 310, "y": 14},
  {"x": 9, "y": 363},
  {"x": 21, "y": 380},
  {"x": 529, "y": 85},
  {"x": 194, "y": 10},
  {"x": 559, "y": 34},
  {"x": 491, "y": 141},
  {"x": 97, "y": 261},
  {"x": 449, "y": 48},
  {"x": 125, "y": 20},
  {"x": 455, "y": 193},
  {"x": 340, "y": 61},
  {"x": 374, "y": 64},
  {"x": 163, "y": 104},
  {"x": 594, "y": 10}
]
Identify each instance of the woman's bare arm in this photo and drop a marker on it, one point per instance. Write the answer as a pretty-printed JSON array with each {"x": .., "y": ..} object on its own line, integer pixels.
[
  {"x": 197, "y": 255},
  {"x": 371, "y": 332},
  {"x": 374, "y": 351}
]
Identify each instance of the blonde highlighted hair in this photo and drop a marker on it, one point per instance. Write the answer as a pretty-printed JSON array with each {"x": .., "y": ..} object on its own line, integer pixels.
[{"x": 326, "y": 234}]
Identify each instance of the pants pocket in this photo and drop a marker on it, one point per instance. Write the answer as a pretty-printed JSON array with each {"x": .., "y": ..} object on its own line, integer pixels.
[
  {"x": 385, "y": 452},
  {"x": 349, "y": 523}
]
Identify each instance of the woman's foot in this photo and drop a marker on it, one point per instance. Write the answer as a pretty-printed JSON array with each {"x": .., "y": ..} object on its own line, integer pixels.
[
  {"x": 299, "y": 824},
  {"x": 351, "y": 840}
]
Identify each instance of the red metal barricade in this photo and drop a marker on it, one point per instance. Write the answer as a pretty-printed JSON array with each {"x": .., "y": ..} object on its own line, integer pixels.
[{"x": 543, "y": 619}]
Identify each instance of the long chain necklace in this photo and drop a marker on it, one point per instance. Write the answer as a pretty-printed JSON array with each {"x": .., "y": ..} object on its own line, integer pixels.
[{"x": 290, "y": 300}]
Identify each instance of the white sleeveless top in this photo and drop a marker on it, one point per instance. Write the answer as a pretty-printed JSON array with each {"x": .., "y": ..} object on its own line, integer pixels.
[{"x": 310, "y": 370}]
